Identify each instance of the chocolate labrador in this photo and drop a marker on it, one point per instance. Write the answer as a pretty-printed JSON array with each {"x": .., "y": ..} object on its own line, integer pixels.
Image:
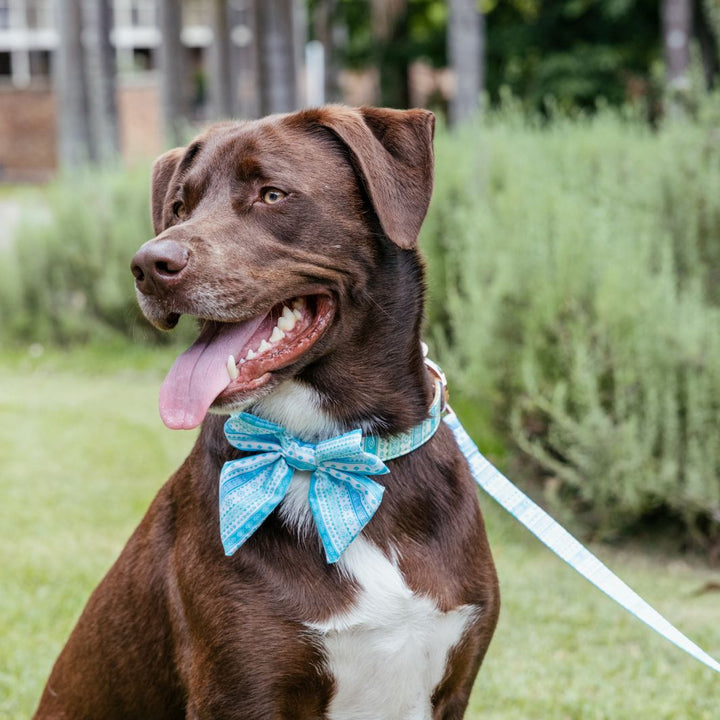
[{"x": 293, "y": 240}]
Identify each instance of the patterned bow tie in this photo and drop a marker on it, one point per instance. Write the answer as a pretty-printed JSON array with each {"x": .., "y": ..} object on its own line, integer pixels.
[{"x": 342, "y": 497}]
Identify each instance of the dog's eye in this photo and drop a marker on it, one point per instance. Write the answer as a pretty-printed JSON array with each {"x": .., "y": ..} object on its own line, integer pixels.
[
  {"x": 270, "y": 196},
  {"x": 178, "y": 209}
]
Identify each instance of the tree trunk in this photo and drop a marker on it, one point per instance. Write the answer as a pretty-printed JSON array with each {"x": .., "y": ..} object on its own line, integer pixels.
[
  {"x": 74, "y": 140},
  {"x": 389, "y": 20},
  {"x": 101, "y": 73},
  {"x": 277, "y": 52},
  {"x": 676, "y": 18},
  {"x": 707, "y": 29},
  {"x": 394, "y": 70},
  {"x": 221, "y": 75},
  {"x": 244, "y": 58},
  {"x": 171, "y": 65},
  {"x": 466, "y": 56},
  {"x": 332, "y": 35}
]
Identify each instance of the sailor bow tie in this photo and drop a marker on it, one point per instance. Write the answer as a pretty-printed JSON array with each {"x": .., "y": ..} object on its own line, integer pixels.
[{"x": 342, "y": 496}]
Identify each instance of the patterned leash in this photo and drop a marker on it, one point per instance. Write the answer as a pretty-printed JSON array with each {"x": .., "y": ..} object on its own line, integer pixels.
[{"x": 564, "y": 545}]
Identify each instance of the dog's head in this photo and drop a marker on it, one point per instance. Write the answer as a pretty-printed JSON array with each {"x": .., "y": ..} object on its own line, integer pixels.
[{"x": 275, "y": 234}]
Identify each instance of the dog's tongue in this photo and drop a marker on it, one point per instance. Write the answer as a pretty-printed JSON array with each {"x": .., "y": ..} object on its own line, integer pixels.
[{"x": 200, "y": 374}]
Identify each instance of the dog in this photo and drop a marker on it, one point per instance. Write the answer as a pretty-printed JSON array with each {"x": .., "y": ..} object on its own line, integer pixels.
[{"x": 292, "y": 239}]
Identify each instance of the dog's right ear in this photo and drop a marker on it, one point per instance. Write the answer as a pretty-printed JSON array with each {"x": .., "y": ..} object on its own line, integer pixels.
[
  {"x": 163, "y": 170},
  {"x": 392, "y": 151}
]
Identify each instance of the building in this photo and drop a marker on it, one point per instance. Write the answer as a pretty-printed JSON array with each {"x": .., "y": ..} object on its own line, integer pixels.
[{"x": 29, "y": 40}]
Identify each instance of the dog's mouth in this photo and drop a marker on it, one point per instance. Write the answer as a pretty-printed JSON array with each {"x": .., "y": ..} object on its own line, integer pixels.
[{"x": 231, "y": 360}]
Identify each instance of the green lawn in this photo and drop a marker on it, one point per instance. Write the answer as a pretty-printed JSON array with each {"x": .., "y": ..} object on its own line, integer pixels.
[{"x": 82, "y": 451}]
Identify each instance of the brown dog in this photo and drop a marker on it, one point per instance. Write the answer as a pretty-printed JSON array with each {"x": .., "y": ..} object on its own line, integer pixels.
[{"x": 293, "y": 240}]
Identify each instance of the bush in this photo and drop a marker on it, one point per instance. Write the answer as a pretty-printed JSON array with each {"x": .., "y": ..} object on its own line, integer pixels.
[
  {"x": 70, "y": 264},
  {"x": 574, "y": 301},
  {"x": 575, "y": 298}
]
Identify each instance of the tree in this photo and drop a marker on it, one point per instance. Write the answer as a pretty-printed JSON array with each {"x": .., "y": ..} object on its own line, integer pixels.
[
  {"x": 74, "y": 140},
  {"x": 243, "y": 58},
  {"x": 332, "y": 33},
  {"x": 707, "y": 28},
  {"x": 100, "y": 74},
  {"x": 466, "y": 56},
  {"x": 221, "y": 75},
  {"x": 676, "y": 17},
  {"x": 390, "y": 22},
  {"x": 277, "y": 53},
  {"x": 573, "y": 52},
  {"x": 171, "y": 63}
]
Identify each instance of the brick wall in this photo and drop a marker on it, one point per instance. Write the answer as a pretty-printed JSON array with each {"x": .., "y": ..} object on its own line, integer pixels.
[
  {"x": 139, "y": 115},
  {"x": 28, "y": 144},
  {"x": 27, "y": 134}
]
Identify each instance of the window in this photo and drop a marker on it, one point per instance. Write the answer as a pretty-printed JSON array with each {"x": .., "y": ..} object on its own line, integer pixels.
[{"x": 5, "y": 64}]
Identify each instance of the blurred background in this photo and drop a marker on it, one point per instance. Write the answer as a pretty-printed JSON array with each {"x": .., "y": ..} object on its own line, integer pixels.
[
  {"x": 573, "y": 267},
  {"x": 81, "y": 80}
]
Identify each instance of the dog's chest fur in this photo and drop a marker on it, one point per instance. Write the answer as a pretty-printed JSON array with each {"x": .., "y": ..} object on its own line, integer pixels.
[{"x": 388, "y": 652}]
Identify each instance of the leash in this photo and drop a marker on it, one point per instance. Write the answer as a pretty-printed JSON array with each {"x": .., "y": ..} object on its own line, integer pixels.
[
  {"x": 343, "y": 497},
  {"x": 564, "y": 545},
  {"x": 555, "y": 536}
]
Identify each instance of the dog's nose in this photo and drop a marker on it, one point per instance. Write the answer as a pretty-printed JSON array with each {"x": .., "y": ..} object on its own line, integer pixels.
[{"x": 158, "y": 264}]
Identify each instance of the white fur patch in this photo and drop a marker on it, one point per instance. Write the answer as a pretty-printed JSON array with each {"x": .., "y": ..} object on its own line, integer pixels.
[
  {"x": 295, "y": 507},
  {"x": 296, "y": 407},
  {"x": 389, "y": 652}
]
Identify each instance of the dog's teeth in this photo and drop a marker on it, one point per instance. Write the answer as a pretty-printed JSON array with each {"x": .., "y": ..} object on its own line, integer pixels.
[
  {"x": 277, "y": 335},
  {"x": 297, "y": 314},
  {"x": 264, "y": 346},
  {"x": 251, "y": 355},
  {"x": 232, "y": 368},
  {"x": 287, "y": 320},
  {"x": 299, "y": 303}
]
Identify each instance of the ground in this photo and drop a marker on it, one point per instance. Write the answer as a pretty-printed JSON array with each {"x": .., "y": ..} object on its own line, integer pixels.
[{"x": 83, "y": 451}]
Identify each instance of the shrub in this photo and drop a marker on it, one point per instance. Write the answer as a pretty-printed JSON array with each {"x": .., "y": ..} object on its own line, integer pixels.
[
  {"x": 574, "y": 300},
  {"x": 70, "y": 263},
  {"x": 574, "y": 297}
]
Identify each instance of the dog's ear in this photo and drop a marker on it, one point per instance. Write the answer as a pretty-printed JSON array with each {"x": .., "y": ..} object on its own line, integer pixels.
[
  {"x": 163, "y": 170},
  {"x": 392, "y": 151}
]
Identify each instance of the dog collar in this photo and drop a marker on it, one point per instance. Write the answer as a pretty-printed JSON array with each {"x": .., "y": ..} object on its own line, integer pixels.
[
  {"x": 388, "y": 448},
  {"x": 342, "y": 496}
]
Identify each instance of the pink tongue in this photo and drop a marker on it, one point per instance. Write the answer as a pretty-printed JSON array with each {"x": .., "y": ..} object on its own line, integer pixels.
[{"x": 200, "y": 374}]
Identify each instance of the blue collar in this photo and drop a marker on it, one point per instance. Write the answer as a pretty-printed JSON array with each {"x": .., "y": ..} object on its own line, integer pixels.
[{"x": 342, "y": 496}]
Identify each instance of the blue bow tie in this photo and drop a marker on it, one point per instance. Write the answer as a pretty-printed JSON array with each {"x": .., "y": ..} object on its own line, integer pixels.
[{"x": 342, "y": 497}]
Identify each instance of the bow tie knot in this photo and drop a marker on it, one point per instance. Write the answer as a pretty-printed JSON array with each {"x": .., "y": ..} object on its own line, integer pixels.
[{"x": 342, "y": 496}]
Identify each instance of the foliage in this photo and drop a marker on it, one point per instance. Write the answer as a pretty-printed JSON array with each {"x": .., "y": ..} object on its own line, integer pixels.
[
  {"x": 389, "y": 36},
  {"x": 574, "y": 293},
  {"x": 421, "y": 24},
  {"x": 561, "y": 649},
  {"x": 575, "y": 301},
  {"x": 573, "y": 51},
  {"x": 69, "y": 271}
]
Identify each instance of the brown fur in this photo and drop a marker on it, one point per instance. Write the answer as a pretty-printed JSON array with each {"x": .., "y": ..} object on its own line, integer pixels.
[{"x": 178, "y": 630}]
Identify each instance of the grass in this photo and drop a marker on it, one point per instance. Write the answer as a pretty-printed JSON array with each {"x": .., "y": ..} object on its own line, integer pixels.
[{"x": 83, "y": 451}]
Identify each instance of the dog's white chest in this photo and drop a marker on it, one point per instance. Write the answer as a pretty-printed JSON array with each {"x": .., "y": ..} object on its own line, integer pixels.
[{"x": 389, "y": 652}]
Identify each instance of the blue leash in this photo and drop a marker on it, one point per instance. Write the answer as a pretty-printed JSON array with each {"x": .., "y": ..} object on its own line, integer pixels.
[{"x": 564, "y": 545}]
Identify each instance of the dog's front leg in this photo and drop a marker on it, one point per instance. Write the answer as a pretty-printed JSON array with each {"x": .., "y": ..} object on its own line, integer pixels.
[{"x": 451, "y": 697}]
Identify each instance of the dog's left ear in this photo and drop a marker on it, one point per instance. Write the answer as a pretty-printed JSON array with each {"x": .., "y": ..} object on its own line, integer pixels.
[{"x": 393, "y": 154}]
